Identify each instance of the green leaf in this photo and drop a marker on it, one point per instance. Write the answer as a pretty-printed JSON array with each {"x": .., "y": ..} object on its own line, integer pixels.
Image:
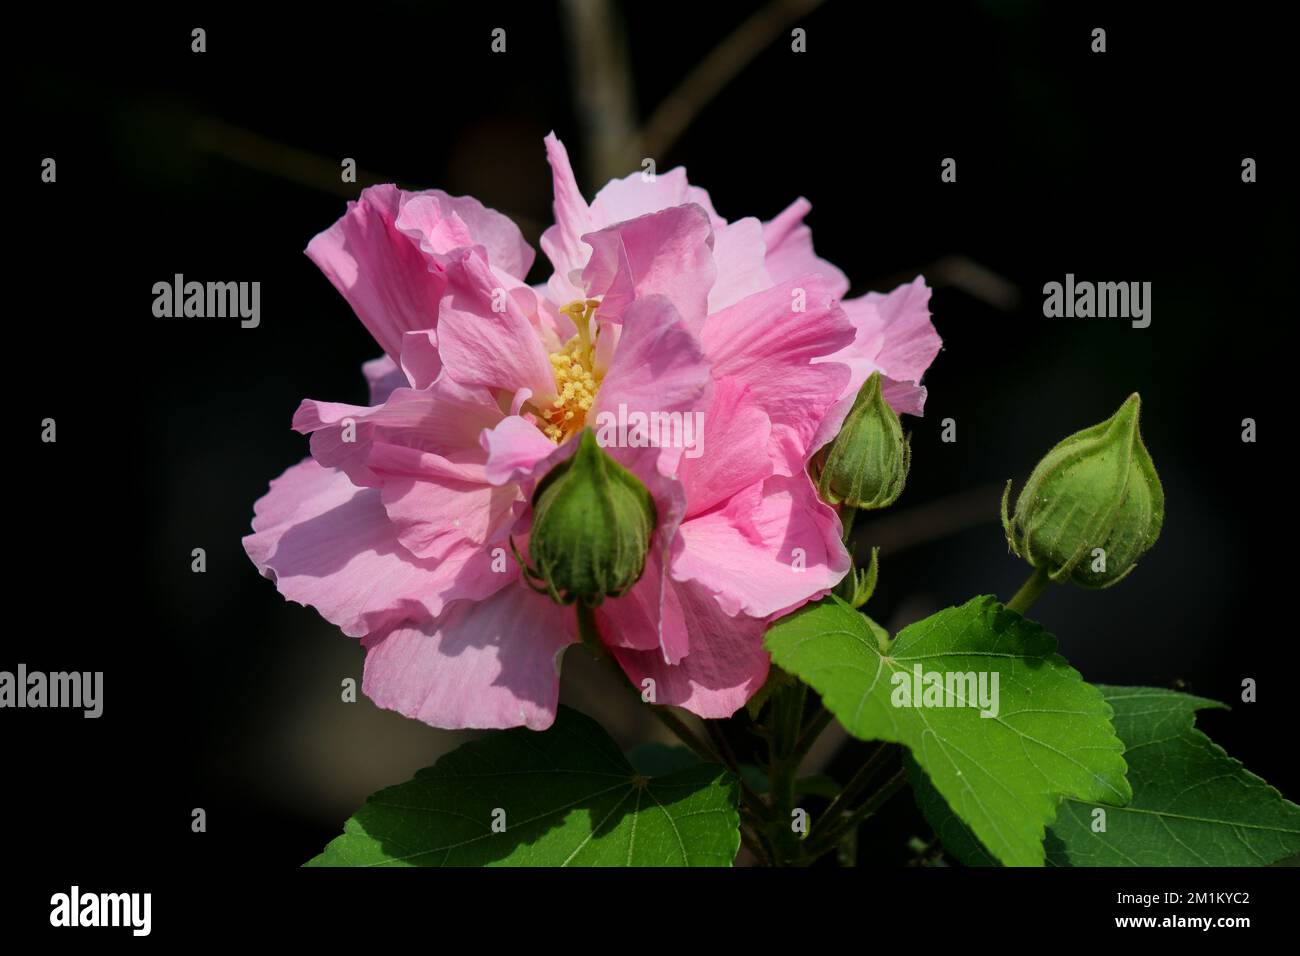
[
  {"x": 1193, "y": 805},
  {"x": 955, "y": 836},
  {"x": 569, "y": 797},
  {"x": 1005, "y": 774}
]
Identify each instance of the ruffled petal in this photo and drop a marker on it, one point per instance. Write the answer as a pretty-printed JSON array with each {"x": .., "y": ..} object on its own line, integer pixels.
[
  {"x": 790, "y": 250},
  {"x": 445, "y": 418},
  {"x": 390, "y": 283},
  {"x": 765, "y": 344},
  {"x": 768, "y": 549},
  {"x": 668, "y": 253},
  {"x": 893, "y": 335},
  {"x": 726, "y": 664},
  {"x": 639, "y": 194},
  {"x": 660, "y": 375},
  {"x": 487, "y": 338},
  {"x": 514, "y": 447},
  {"x": 486, "y": 665},
  {"x": 383, "y": 376},
  {"x": 436, "y": 504},
  {"x": 733, "y": 453},
  {"x": 329, "y": 544},
  {"x": 739, "y": 255},
  {"x": 562, "y": 242},
  {"x": 440, "y": 224},
  {"x": 895, "y": 330},
  {"x": 421, "y": 362},
  {"x": 640, "y": 619}
]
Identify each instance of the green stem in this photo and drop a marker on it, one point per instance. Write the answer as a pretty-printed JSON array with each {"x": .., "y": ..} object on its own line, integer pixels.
[
  {"x": 587, "y": 630},
  {"x": 1029, "y": 591},
  {"x": 721, "y": 745},
  {"x": 753, "y": 846},
  {"x": 811, "y": 733},
  {"x": 856, "y": 785},
  {"x": 786, "y": 720},
  {"x": 847, "y": 514},
  {"x": 591, "y": 640},
  {"x": 724, "y": 750},
  {"x": 854, "y": 819},
  {"x": 682, "y": 732},
  {"x": 847, "y": 851}
]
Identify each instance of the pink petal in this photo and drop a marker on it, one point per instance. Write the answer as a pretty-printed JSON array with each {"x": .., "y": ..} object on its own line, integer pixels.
[
  {"x": 383, "y": 376},
  {"x": 485, "y": 338},
  {"x": 701, "y": 197},
  {"x": 482, "y": 665},
  {"x": 738, "y": 254},
  {"x": 735, "y": 449},
  {"x": 637, "y": 194},
  {"x": 790, "y": 249},
  {"x": 420, "y": 359},
  {"x": 896, "y": 330},
  {"x": 725, "y": 667},
  {"x": 441, "y": 224},
  {"x": 659, "y": 369},
  {"x": 436, "y": 504},
  {"x": 445, "y": 418},
  {"x": 766, "y": 345},
  {"x": 380, "y": 271},
  {"x": 905, "y": 398},
  {"x": 639, "y": 619},
  {"x": 769, "y": 549},
  {"x": 668, "y": 253},
  {"x": 328, "y": 544},
  {"x": 562, "y": 242},
  {"x": 514, "y": 447},
  {"x": 893, "y": 335}
]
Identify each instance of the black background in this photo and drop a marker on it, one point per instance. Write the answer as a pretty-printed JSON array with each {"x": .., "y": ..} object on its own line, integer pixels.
[{"x": 1122, "y": 166}]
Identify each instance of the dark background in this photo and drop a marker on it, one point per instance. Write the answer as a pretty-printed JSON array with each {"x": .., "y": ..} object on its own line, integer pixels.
[{"x": 1121, "y": 166}]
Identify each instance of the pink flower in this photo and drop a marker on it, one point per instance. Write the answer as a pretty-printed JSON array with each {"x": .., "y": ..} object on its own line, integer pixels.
[{"x": 397, "y": 528}]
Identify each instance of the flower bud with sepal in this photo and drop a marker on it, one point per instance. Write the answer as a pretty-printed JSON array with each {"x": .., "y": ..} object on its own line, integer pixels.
[
  {"x": 865, "y": 466},
  {"x": 1092, "y": 506},
  {"x": 592, "y": 524}
]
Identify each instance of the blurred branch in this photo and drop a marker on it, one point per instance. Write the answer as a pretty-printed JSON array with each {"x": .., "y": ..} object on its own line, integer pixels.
[
  {"x": 713, "y": 73},
  {"x": 933, "y": 521},
  {"x": 302, "y": 167},
  {"x": 964, "y": 273},
  {"x": 601, "y": 73}
]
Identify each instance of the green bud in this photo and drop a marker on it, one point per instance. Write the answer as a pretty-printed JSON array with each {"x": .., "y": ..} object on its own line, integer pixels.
[
  {"x": 592, "y": 523},
  {"x": 1092, "y": 506},
  {"x": 866, "y": 464}
]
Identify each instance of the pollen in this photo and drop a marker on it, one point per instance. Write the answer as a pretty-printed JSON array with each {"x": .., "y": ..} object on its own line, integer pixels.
[{"x": 576, "y": 380}]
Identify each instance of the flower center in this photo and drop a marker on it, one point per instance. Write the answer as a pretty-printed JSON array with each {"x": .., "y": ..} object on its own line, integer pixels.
[{"x": 576, "y": 379}]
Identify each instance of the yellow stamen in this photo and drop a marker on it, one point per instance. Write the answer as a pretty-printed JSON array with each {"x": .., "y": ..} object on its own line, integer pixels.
[
  {"x": 576, "y": 380},
  {"x": 581, "y": 312}
]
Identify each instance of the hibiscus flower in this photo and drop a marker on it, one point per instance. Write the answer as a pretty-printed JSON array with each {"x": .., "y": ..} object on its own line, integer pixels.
[{"x": 398, "y": 528}]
